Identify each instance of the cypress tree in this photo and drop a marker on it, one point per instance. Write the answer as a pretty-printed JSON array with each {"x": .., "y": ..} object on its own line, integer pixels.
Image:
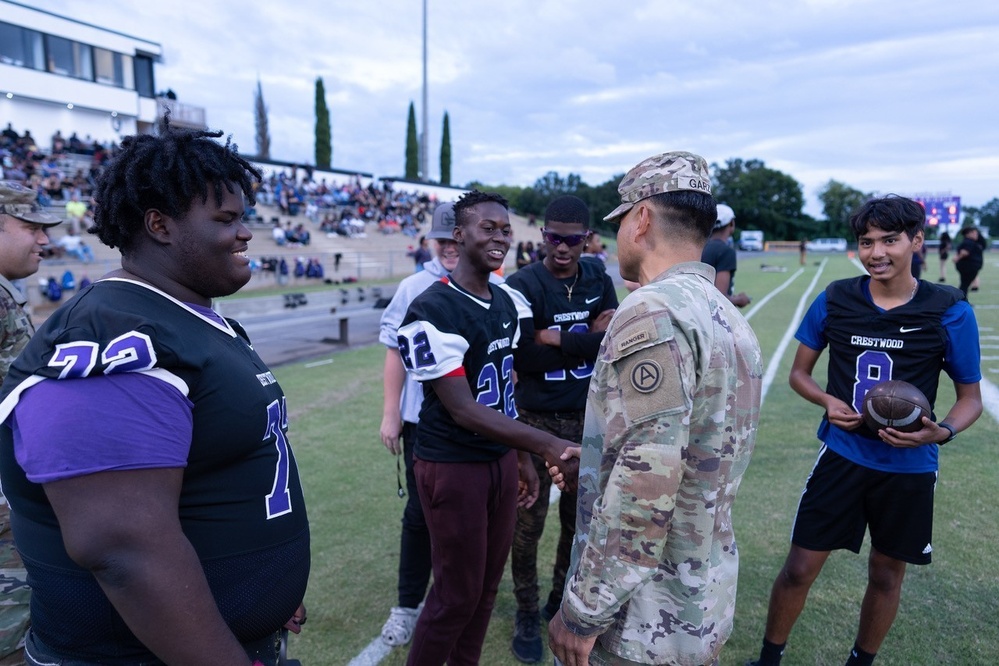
[
  {"x": 412, "y": 147},
  {"x": 263, "y": 134},
  {"x": 446, "y": 152},
  {"x": 324, "y": 139}
]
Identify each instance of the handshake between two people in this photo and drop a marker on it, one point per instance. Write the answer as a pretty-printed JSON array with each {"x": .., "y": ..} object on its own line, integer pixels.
[
  {"x": 566, "y": 474},
  {"x": 562, "y": 465}
]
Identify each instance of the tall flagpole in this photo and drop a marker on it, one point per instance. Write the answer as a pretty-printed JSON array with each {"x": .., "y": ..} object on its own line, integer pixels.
[{"x": 425, "y": 136}]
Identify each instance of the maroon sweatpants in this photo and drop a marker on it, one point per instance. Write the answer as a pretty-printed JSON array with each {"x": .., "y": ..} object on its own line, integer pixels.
[{"x": 471, "y": 510}]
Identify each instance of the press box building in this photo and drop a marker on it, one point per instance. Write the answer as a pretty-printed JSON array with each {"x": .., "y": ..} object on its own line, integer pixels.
[{"x": 58, "y": 73}]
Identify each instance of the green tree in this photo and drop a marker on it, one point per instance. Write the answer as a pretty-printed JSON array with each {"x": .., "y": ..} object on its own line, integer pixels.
[
  {"x": 839, "y": 200},
  {"x": 263, "y": 134},
  {"x": 601, "y": 200},
  {"x": 989, "y": 217},
  {"x": 763, "y": 198},
  {"x": 412, "y": 147},
  {"x": 446, "y": 152},
  {"x": 522, "y": 200},
  {"x": 552, "y": 185},
  {"x": 324, "y": 138}
]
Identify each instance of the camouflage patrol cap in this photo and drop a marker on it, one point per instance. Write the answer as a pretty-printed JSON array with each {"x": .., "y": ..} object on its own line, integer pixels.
[
  {"x": 21, "y": 202},
  {"x": 669, "y": 172},
  {"x": 443, "y": 224}
]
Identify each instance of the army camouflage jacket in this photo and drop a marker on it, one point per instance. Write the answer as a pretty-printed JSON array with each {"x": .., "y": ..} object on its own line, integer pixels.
[
  {"x": 15, "y": 326},
  {"x": 671, "y": 422}
]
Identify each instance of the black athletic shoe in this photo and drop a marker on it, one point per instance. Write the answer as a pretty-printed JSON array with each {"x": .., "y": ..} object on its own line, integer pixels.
[{"x": 526, "y": 645}]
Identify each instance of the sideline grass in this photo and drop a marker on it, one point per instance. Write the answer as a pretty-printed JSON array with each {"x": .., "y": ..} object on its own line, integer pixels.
[{"x": 948, "y": 609}]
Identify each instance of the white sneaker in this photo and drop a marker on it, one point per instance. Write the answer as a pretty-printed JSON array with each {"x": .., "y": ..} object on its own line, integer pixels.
[{"x": 398, "y": 628}]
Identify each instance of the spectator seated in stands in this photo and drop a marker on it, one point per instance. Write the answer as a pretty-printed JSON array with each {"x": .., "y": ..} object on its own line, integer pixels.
[
  {"x": 314, "y": 269},
  {"x": 53, "y": 185},
  {"x": 302, "y": 235},
  {"x": 328, "y": 226},
  {"x": 277, "y": 234},
  {"x": 75, "y": 145},
  {"x": 75, "y": 246},
  {"x": 388, "y": 225},
  {"x": 296, "y": 236},
  {"x": 10, "y": 135},
  {"x": 75, "y": 212},
  {"x": 58, "y": 143}
]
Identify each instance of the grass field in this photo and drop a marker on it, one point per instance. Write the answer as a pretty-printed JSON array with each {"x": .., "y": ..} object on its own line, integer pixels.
[{"x": 948, "y": 611}]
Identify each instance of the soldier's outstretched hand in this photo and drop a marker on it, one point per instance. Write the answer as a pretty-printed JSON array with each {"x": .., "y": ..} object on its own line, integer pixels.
[{"x": 561, "y": 474}]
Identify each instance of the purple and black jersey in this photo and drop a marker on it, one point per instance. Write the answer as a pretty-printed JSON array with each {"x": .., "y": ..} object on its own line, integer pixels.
[
  {"x": 135, "y": 379},
  {"x": 450, "y": 332},
  {"x": 554, "y": 379},
  {"x": 935, "y": 331}
]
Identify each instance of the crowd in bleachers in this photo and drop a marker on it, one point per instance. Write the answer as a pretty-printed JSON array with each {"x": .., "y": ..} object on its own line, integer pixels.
[
  {"x": 346, "y": 209},
  {"x": 64, "y": 175},
  {"x": 70, "y": 168}
]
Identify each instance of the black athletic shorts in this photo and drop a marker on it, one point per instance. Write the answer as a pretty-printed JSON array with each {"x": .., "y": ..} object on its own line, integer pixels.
[{"x": 842, "y": 499}]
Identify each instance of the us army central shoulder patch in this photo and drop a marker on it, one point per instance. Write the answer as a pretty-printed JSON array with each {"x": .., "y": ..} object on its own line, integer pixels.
[{"x": 646, "y": 376}]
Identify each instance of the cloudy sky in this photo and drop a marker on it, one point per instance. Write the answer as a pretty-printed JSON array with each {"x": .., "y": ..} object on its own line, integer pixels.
[{"x": 888, "y": 96}]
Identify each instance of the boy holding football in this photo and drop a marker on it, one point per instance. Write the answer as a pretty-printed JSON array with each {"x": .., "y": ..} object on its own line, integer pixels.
[{"x": 878, "y": 327}]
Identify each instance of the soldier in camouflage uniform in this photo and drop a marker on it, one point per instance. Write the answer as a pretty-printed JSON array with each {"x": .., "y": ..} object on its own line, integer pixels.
[
  {"x": 22, "y": 235},
  {"x": 671, "y": 422}
]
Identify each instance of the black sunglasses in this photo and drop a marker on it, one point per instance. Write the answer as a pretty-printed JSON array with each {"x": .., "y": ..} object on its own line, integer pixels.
[{"x": 572, "y": 240}]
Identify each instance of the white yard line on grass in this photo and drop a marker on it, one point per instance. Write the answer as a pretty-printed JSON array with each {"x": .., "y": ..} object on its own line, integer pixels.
[
  {"x": 763, "y": 301},
  {"x": 771, "y": 372},
  {"x": 990, "y": 399},
  {"x": 373, "y": 654}
]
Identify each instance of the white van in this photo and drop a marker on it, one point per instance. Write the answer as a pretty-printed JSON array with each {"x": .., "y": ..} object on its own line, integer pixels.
[
  {"x": 826, "y": 245},
  {"x": 751, "y": 240}
]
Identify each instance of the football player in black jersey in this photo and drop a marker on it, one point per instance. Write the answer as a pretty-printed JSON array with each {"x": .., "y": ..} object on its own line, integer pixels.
[
  {"x": 571, "y": 304},
  {"x": 158, "y": 507},
  {"x": 458, "y": 339},
  {"x": 882, "y": 326}
]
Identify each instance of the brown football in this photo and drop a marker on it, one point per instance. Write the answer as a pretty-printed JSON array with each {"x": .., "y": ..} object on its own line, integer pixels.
[{"x": 895, "y": 404}]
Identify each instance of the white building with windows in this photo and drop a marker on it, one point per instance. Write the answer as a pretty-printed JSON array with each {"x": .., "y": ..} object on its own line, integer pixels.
[{"x": 62, "y": 74}]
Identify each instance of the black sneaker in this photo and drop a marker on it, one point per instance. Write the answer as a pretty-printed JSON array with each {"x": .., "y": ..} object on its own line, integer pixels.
[{"x": 526, "y": 645}]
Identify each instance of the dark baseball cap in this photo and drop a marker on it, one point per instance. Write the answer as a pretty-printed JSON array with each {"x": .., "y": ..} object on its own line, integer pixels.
[{"x": 443, "y": 224}]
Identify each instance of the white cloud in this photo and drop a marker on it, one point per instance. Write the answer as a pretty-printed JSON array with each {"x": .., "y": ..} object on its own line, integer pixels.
[{"x": 886, "y": 95}]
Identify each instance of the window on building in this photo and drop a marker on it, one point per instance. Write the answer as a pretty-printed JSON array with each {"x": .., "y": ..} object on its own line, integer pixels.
[
  {"x": 21, "y": 47},
  {"x": 113, "y": 69},
  {"x": 144, "y": 76},
  {"x": 69, "y": 58}
]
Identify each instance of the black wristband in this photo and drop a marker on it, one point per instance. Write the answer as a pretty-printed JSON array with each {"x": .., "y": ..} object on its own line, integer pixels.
[{"x": 949, "y": 428}]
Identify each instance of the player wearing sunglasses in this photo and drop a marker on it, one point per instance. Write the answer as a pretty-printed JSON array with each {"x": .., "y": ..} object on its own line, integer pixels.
[{"x": 571, "y": 303}]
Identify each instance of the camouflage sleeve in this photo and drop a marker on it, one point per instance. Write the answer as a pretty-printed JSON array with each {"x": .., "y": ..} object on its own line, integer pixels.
[
  {"x": 7, "y": 328},
  {"x": 645, "y": 385}
]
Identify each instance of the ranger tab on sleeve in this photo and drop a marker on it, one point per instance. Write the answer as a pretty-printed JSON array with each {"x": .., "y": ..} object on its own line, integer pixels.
[{"x": 647, "y": 361}]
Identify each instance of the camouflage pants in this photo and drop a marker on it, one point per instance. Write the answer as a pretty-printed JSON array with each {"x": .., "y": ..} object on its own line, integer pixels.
[
  {"x": 15, "y": 595},
  {"x": 531, "y": 521},
  {"x": 601, "y": 657}
]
